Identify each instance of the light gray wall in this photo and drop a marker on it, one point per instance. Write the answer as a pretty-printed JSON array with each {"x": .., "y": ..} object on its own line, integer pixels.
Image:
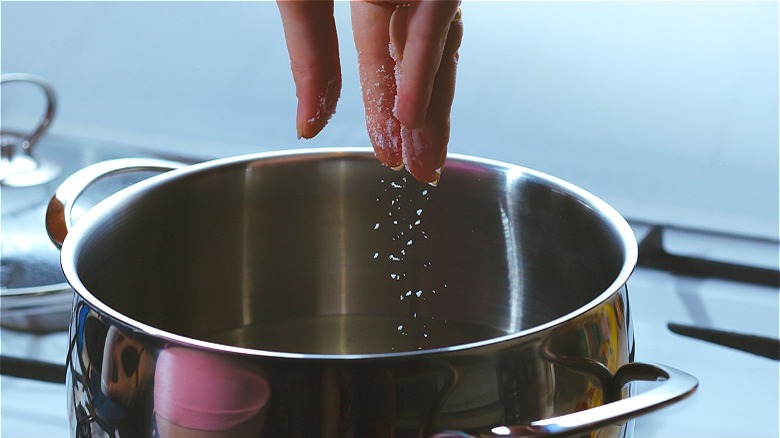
[{"x": 667, "y": 110}]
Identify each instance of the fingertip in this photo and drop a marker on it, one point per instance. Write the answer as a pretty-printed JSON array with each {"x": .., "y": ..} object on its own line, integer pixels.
[
  {"x": 385, "y": 135},
  {"x": 316, "y": 105},
  {"x": 424, "y": 153}
]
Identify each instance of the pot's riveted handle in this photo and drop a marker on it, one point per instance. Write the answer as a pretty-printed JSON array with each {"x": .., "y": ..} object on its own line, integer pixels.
[
  {"x": 676, "y": 385},
  {"x": 58, "y": 213}
]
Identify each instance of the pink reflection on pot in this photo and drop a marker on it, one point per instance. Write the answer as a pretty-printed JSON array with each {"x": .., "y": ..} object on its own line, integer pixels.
[{"x": 201, "y": 394}]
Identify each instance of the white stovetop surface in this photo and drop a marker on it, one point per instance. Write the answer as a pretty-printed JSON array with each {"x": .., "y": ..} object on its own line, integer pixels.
[{"x": 737, "y": 396}]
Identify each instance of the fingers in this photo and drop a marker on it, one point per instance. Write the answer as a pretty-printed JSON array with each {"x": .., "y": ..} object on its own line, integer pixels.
[
  {"x": 407, "y": 59},
  {"x": 376, "y": 68},
  {"x": 425, "y": 147},
  {"x": 421, "y": 31},
  {"x": 312, "y": 43}
]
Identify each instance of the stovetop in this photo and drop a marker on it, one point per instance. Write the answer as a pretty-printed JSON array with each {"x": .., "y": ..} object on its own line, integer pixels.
[{"x": 706, "y": 303}]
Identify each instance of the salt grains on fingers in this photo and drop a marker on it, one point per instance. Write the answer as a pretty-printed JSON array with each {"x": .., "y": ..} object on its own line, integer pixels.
[{"x": 384, "y": 130}]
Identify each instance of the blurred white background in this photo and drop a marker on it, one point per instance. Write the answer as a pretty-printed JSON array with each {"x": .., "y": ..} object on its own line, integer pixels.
[{"x": 667, "y": 110}]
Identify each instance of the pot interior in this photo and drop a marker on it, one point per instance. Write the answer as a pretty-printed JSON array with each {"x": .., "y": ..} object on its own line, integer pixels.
[{"x": 335, "y": 254}]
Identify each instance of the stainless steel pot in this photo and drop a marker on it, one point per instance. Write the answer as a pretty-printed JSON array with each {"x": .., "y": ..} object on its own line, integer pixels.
[{"x": 316, "y": 293}]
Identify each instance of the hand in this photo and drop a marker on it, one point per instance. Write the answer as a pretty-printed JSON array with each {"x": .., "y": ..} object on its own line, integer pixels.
[{"x": 407, "y": 58}]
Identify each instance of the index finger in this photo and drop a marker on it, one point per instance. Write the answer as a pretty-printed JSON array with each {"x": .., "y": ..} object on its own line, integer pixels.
[
  {"x": 310, "y": 33},
  {"x": 371, "y": 23}
]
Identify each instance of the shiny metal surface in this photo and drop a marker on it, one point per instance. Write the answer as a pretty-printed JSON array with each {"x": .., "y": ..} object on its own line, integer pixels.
[
  {"x": 19, "y": 167},
  {"x": 221, "y": 251},
  {"x": 59, "y": 213},
  {"x": 34, "y": 295}
]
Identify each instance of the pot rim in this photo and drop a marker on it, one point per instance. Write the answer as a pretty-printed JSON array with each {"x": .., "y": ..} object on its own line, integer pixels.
[{"x": 80, "y": 230}]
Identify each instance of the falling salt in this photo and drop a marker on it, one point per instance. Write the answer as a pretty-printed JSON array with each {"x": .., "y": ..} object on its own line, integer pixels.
[
  {"x": 395, "y": 276},
  {"x": 409, "y": 293},
  {"x": 424, "y": 192},
  {"x": 417, "y": 222},
  {"x": 409, "y": 243},
  {"x": 395, "y": 259},
  {"x": 395, "y": 185},
  {"x": 376, "y": 254},
  {"x": 419, "y": 211},
  {"x": 400, "y": 327},
  {"x": 376, "y": 226},
  {"x": 418, "y": 293}
]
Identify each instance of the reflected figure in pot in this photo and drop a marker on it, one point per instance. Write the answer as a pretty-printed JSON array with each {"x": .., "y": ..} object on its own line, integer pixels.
[{"x": 205, "y": 395}]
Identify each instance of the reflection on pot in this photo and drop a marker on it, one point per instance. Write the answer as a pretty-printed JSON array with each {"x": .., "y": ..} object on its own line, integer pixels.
[
  {"x": 589, "y": 356},
  {"x": 204, "y": 395},
  {"x": 117, "y": 381},
  {"x": 110, "y": 373}
]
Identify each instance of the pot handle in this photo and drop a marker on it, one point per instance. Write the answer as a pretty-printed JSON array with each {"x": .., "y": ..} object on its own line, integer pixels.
[
  {"x": 676, "y": 386},
  {"x": 58, "y": 213}
]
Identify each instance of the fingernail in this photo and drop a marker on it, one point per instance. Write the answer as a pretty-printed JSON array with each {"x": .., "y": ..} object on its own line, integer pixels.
[
  {"x": 422, "y": 155},
  {"x": 435, "y": 182}
]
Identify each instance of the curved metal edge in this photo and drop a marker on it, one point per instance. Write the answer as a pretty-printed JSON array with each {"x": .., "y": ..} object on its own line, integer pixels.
[
  {"x": 677, "y": 385},
  {"x": 58, "y": 213},
  {"x": 349, "y": 152},
  {"x": 51, "y": 105}
]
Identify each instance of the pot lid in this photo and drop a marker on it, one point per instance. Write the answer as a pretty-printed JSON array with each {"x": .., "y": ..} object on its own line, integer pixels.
[
  {"x": 33, "y": 167},
  {"x": 25, "y": 179}
]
